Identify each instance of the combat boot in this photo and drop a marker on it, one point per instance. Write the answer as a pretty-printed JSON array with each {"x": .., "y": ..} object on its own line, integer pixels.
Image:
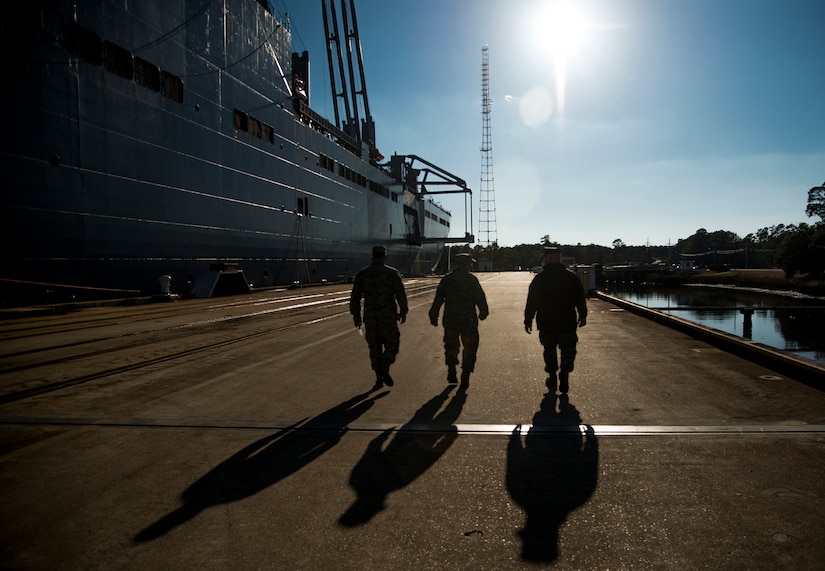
[
  {"x": 465, "y": 378},
  {"x": 452, "y": 377}
]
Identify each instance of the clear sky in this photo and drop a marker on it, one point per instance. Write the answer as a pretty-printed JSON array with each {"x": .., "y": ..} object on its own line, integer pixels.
[{"x": 639, "y": 120}]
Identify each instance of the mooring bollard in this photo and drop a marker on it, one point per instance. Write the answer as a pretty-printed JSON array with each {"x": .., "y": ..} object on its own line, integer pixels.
[
  {"x": 165, "y": 282},
  {"x": 747, "y": 324}
]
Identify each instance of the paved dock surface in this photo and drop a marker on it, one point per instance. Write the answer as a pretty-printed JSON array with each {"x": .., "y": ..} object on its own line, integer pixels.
[{"x": 243, "y": 433}]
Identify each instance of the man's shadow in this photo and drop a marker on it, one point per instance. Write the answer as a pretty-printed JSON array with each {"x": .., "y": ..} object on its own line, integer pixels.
[
  {"x": 385, "y": 468},
  {"x": 264, "y": 462},
  {"x": 553, "y": 472}
]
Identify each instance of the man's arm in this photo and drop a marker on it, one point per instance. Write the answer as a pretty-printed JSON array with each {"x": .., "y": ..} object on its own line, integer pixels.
[
  {"x": 355, "y": 303},
  {"x": 438, "y": 301},
  {"x": 481, "y": 302},
  {"x": 530, "y": 308},
  {"x": 401, "y": 298},
  {"x": 582, "y": 314},
  {"x": 581, "y": 303}
]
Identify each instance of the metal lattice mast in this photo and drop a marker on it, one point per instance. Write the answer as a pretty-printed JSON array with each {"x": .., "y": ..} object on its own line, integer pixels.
[{"x": 487, "y": 201}]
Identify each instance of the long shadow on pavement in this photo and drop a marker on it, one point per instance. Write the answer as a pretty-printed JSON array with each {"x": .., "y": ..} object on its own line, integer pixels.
[
  {"x": 550, "y": 474},
  {"x": 264, "y": 462},
  {"x": 415, "y": 447}
]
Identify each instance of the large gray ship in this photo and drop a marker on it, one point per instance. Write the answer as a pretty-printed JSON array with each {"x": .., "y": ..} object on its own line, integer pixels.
[{"x": 157, "y": 138}]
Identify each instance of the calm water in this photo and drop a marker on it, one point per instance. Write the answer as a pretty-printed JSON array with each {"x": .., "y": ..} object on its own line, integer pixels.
[{"x": 782, "y": 322}]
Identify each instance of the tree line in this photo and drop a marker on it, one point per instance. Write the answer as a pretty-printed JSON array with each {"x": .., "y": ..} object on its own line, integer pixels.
[{"x": 798, "y": 249}]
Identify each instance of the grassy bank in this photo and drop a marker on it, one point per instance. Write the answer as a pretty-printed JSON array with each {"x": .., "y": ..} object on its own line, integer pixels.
[{"x": 762, "y": 279}]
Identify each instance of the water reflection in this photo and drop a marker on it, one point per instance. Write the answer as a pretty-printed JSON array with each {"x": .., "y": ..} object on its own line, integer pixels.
[{"x": 786, "y": 323}]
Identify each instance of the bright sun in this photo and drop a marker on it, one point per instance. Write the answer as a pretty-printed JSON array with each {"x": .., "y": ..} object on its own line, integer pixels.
[
  {"x": 561, "y": 29},
  {"x": 565, "y": 27}
]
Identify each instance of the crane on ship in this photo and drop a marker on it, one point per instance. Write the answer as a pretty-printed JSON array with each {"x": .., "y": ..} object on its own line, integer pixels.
[
  {"x": 353, "y": 119},
  {"x": 346, "y": 75}
]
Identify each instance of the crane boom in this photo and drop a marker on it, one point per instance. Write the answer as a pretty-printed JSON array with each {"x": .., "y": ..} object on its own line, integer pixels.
[{"x": 347, "y": 78}]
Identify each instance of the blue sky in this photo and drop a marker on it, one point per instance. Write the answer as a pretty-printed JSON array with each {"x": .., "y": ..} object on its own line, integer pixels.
[{"x": 639, "y": 120}]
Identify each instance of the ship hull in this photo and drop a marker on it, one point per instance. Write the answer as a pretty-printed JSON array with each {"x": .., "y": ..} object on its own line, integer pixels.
[{"x": 199, "y": 158}]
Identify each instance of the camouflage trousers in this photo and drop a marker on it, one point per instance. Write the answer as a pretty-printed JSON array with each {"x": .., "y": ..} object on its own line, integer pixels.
[
  {"x": 566, "y": 344},
  {"x": 383, "y": 339},
  {"x": 454, "y": 338}
]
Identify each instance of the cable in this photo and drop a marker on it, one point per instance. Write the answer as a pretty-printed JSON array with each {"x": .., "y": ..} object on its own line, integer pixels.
[
  {"x": 174, "y": 31},
  {"x": 244, "y": 58}
]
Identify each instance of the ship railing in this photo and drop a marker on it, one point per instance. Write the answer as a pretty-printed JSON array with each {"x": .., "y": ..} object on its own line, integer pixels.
[
  {"x": 321, "y": 125},
  {"x": 420, "y": 240}
]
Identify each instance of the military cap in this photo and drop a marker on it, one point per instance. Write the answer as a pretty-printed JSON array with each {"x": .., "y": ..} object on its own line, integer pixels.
[
  {"x": 379, "y": 251},
  {"x": 550, "y": 251},
  {"x": 464, "y": 258}
]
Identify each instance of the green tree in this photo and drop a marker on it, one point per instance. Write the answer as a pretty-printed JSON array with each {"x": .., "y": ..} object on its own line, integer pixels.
[
  {"x": 764, "y": 244},
  {"x": 803, "y": 252},
  {"x": 816, "y": 202}
]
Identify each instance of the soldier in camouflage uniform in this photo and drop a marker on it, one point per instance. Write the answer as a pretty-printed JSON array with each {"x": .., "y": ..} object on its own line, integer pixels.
[
  {"x": 385, "y": 303},
  {"x": 461, "y": 294},
  {"x": 555, "y": 297}
]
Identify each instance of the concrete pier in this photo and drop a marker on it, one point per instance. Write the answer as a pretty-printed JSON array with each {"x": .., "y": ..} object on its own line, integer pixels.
[{"x": 243, "y": 433}]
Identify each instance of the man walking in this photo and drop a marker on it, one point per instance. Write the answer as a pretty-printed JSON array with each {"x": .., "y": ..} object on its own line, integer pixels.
[
  {"x": 461, "y": 294},
  {"x": 385, "y": 303},
  {"x": 555, "y": 297}
]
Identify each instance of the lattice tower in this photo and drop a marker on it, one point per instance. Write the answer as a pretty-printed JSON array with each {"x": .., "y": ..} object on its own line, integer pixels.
[{"x": 487, "y": 233}]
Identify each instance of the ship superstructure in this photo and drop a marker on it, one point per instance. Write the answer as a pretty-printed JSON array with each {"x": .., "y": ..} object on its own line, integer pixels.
[{"x": 162, "y": 138}]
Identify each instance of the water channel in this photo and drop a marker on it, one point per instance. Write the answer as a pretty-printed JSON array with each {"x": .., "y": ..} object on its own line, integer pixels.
[{"x": 787, "y": 322}]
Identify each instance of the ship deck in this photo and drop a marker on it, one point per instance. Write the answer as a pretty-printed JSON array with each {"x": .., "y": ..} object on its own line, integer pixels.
[{"x": 242, "y": 432}]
